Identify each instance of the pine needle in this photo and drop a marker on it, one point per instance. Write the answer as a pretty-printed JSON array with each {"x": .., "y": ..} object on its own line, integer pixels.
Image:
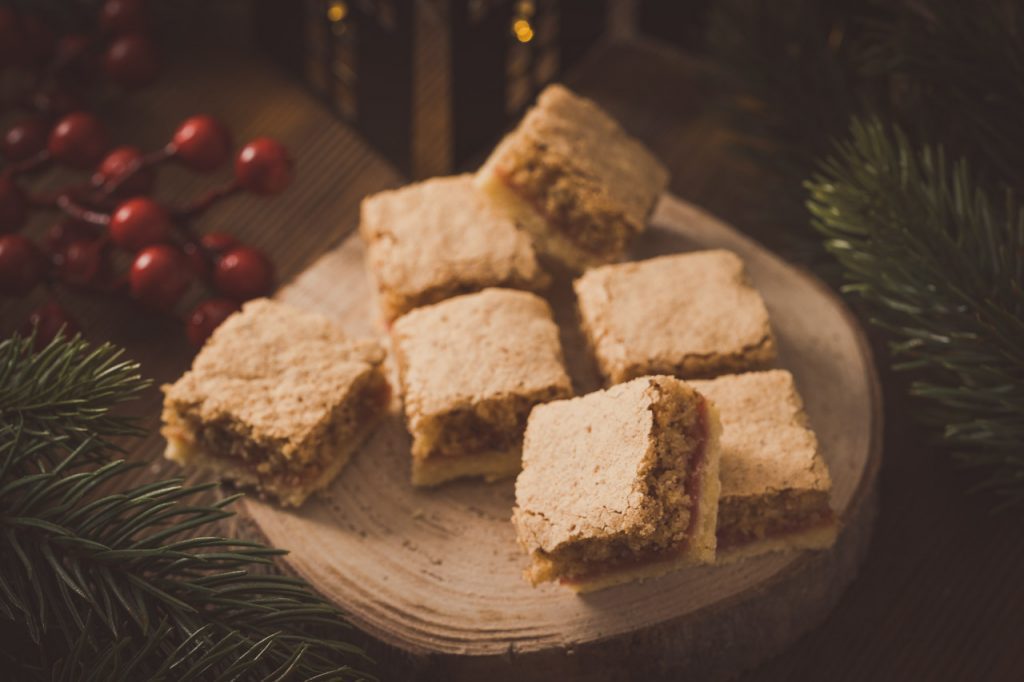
[
  {"x": 938, "y": 263},
  {"x": 122, "y": 585}
]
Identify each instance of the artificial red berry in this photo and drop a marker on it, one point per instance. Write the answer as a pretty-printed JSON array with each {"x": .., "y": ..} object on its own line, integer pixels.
[
  {"x": 62, "y": 233},
  {"x": 198, "y": 260},
  {"x": 206, "y": 317},
  {"x": 123, "y": 16},
  {"x": 201, "y": 143},
  {"x": 21, "y": 265},
  {"x": 78, "y": 140},
  {"x": 84, "y": 263},
  {"x": 244, "y": 273},
  {"x": 120, "y": 162},
  {"x": 47, "y": 321},
  {"x": 24, "y": 139},
  {"x": 159, "y": 276},
  {"x": 209, "y": 250},
  {"x": 264, "y": 167},
  {"x": 218, "y": 242},
  {"x": 132, "y": 61},
  {"x": 138, "y": 223},
  {"x": 13, "y": 205}
]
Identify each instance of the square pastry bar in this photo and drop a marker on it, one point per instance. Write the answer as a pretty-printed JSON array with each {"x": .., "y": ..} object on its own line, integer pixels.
[
  {"x": 277, "y": 399},
  {"x": 619, "y": 485},
  {"x": 440, "y": 238},
  {"x": 688, "y": 315},
  {"x": 775, "y": 484},
  {"x": 471, "y": 369},
  {"x": 574, "y": 179}
]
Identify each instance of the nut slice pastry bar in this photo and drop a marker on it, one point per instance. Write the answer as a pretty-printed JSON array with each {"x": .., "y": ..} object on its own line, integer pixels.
[
  {"x": 439, "y": 238},
  {"x": 619, "y": 485},
  {"x": 574, "y": 179},
  {"x": 689, "y": 315},
  {"x": 471, "y": 368},
  {"x": 277, "y": 399},
  {"x": 775, "y": 484}
]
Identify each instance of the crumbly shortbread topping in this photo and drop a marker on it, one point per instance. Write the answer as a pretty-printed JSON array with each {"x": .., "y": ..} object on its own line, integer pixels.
[
  {"x": 767, "y": 444},
  {"x": 439, "y": 238},
  {"x": 276, "y": 371},
  {"x": 581, "y": 171},
  {"x": 687, "y": 314},
  {"x": 478, "y": 347}
]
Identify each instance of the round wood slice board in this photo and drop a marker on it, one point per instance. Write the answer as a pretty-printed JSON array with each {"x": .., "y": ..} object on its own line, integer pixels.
[{"x": 434, "y": 577}]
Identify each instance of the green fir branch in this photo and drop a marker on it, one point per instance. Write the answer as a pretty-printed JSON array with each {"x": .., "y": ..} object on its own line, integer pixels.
[
  {"x": 939, "y": 264},
  {"x": 63, "y": 396},
  {"x": 129, "y": 584}
]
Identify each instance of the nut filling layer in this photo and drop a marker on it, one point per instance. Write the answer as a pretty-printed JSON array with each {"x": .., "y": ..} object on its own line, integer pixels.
[
  {"x": 545, "y": 189},
  {"x": 742, "y": 521},
  {"x": 488, "y": 426}
]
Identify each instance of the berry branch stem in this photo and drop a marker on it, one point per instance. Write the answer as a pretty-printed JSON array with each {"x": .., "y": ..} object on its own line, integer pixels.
[
  {"x": 34, "y": 163},
  {"x": 206, "y": 201},
  {"x": 111, "y": 186},
  {"x": 75, "y": 211}
]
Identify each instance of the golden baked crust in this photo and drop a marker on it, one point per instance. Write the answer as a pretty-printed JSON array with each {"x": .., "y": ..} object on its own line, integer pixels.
[
  {"x": 473, "y": 366},
  {"x": 775, "y": 483},
  {"x": 619, "y": 480},
  {"x": 568, "y": 162},
  {"x": 688, "y": 315},
  {"x": 439, "y": 238},
  {"x": 271, "y": 395}
]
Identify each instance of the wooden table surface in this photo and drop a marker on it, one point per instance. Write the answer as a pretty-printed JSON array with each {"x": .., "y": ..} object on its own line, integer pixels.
[{"x": 938, "y": 597}]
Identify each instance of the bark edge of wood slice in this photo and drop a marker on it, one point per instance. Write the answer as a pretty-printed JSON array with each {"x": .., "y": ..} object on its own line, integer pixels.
[{"x": 432, "y": 578}]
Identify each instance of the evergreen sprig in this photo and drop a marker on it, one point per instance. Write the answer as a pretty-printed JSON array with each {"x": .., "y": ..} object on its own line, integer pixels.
[
  {"x": 129, "y": 585},
  {"x": 933, "y": 250},
  {"x": 940, "y": 265},
  {"x": 64, "y": 392}
]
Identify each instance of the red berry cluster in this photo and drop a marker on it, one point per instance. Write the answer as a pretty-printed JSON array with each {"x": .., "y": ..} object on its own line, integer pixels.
[
  {"x": 111, "y": 236},
  {"x": 62, "y": 69}
]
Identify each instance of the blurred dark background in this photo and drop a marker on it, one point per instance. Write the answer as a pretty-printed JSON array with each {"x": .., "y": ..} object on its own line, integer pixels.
[{"x": 367, "y": 95}]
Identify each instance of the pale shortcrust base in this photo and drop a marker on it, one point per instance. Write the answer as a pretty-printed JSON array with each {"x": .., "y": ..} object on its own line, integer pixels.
[
  {"x": 491, "y": 466},
  {"x": 545, "y": 239},
  {"x": 819, "y": 537},
  {"x": 646, "y": 571},
  {"x": 183, "y": 451}
]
